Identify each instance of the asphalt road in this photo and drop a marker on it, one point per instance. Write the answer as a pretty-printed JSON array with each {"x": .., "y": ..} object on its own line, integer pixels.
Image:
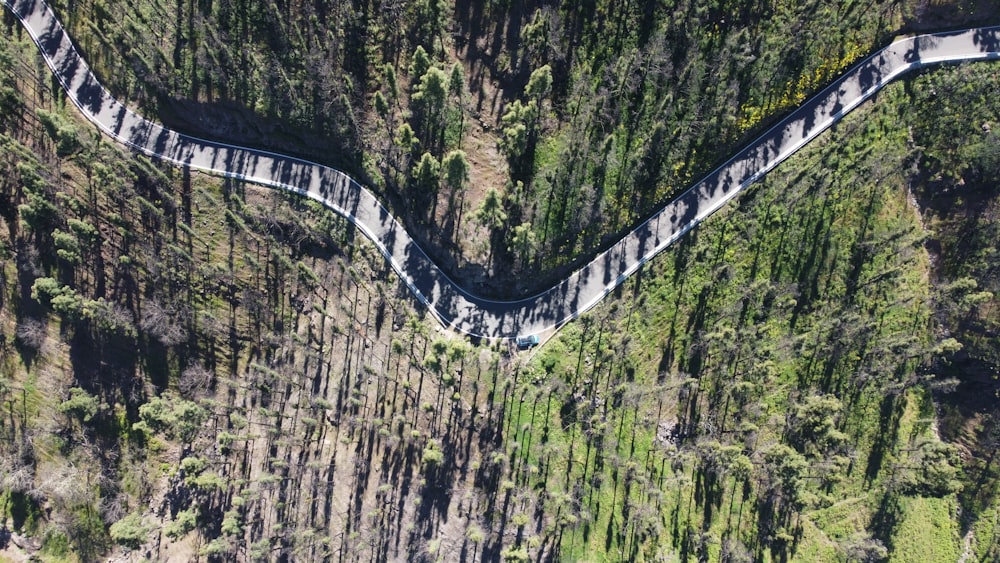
[{"x": 448, "y": 301}]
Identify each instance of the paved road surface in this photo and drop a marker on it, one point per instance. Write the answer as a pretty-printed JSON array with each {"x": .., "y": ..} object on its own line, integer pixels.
[{"x": 452, "y": 305}]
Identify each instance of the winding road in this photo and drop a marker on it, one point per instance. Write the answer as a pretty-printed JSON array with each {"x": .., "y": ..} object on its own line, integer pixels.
[{"x": 448, "y": 301}]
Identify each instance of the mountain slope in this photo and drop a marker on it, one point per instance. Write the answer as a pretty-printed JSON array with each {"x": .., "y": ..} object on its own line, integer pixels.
[{"x": 255, "y": 384}]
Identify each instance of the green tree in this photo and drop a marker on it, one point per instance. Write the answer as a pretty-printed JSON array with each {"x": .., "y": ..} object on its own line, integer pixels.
[
  {"x": 431, "y": 19},
  {"x": 539, "y": 83},
  {"x": 216, "y": 548},
  {"x": 456, "y": 177},
  {"x": 523, "y": 242},
  {"x": 408, "y": 143},
  {"x": 391, "y": 84},
  {"x": 456, "y": 89},
  {"x": 419, "y": 63},
  {"x": 62, "y": 298},
  {"x": 933, "y": 469},
  {"x": 456, "y": 170},
  {"x": 428, "y": 172},
  {"x": 456, "y": 81},
  {"x": 475, "y": 534},
  {"x": 519, "y": 125},
  {"x": 432, "y": 89},
  {"x": 184, "y": 522},
  {"x": 432, "y": 93},
  {"x": 426, "y": 178},
  {"x": 130, "y": 531},
  {"x": 406, "y": 139},
  {"x": 535, "y": 37},
  {"x": 232, "y": 523},
  {"x": 813, "y": 426},
  {"x": 380, "y": 105},
  {"x": 178, "y": 419},
  {"x": 189, "y": 418},
  {"x": 80, "y": 404},
  {"x": 491, "y": 215},
  {"x": 432, "y": 455},
  {"x": 62, "y": 132},
  {"x": 490, "y": 212},
  {"x": 516, "y": 126},
  {"x": 67, "y": 246},
  {"x": 786, "y": 470}
]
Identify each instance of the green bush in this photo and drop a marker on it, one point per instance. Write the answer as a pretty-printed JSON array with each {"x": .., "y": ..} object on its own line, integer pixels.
[
  {"x": 184, "y": 522},
  {"x": 130, "y": 531},
  {"x": 80, "y": 404}
]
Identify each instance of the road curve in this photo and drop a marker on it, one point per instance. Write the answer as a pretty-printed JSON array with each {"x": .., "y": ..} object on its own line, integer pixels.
[{"x": 447, "y": 301}]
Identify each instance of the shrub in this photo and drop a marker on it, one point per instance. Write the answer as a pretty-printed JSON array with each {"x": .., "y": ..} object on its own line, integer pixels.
[
  {"x": 184, "y": 522},
  {"x": 130, "y": 531},
  {"x": 80, "y": 404}
]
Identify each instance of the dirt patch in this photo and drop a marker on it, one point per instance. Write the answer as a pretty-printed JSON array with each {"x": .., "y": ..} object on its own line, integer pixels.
[
  {"x": 18, "y": 548},
  {"x": 487, "y": 169},
  {"x": 457, "y": 233}
]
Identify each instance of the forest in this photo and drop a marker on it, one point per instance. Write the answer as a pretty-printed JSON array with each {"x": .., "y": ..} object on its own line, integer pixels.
[
  {"x": 194, "y": 368},
  {"x": 518, "y": 136}
]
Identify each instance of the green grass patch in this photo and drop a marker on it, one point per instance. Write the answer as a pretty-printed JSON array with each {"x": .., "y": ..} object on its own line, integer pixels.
[{"x": 927, "y": 531}]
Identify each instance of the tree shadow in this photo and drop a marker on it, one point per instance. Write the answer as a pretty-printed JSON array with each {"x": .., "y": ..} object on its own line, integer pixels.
[{"x": 890, "y": 412}]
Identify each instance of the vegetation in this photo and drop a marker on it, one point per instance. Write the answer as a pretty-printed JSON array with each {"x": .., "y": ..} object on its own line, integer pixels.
[
  {"x": 768, "y": 390},
  {"x": 193, "y": 367},
  {"x": 583, "y": 116}
]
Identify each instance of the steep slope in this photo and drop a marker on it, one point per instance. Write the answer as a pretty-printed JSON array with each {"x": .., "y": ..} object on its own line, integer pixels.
[
  {"x": 584, "y": 117},
  {"x": 447, "y": 300},
  {"x": 191, "y": 365}
]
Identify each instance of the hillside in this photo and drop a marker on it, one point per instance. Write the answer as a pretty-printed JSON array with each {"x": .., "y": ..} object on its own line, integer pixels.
[
  {"x": 192, "y": 367},
  {"x": 584, "y": 117}
]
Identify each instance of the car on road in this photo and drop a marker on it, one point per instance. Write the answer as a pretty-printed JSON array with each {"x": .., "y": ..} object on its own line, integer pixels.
[{"x": 529, "y": 341}]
